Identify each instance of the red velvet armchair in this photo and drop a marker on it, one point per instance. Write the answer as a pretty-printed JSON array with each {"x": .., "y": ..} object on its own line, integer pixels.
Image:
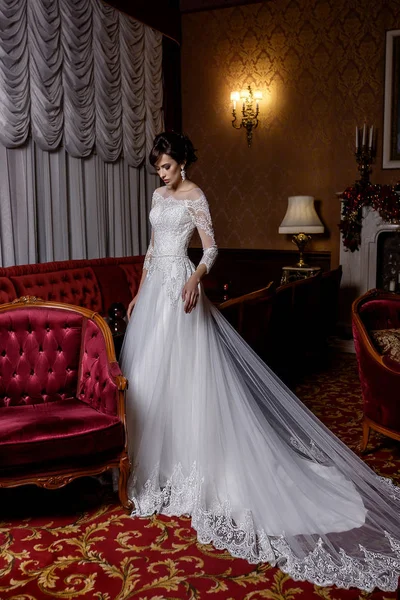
[
  {"x": 379, "y": 374},
  {"x": 62, "y": 405}
]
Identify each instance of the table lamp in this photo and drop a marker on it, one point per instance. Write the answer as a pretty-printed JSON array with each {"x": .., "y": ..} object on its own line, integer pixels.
[{"x": 301, "y": 219}]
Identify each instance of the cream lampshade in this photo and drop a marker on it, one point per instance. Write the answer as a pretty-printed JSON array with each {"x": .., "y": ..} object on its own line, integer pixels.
[{"x": 301, "y": 219}]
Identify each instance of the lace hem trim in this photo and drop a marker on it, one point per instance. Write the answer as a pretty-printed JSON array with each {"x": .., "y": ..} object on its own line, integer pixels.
[{"x": 182, "y": 496}]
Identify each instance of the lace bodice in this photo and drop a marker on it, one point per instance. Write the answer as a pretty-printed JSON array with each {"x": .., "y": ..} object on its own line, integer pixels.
[{"x": 173, "y": 221}]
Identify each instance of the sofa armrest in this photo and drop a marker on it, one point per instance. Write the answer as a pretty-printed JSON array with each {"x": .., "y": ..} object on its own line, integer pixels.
[
  {"x": 115, "y": 370},
  {"x": 120, "y": 380},
  {"x": 122, "y": 385},
  {"x": 101, "y": 382}
]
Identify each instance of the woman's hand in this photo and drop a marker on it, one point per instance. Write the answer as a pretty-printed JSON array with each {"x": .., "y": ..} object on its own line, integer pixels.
[
  {"x": 190, "y": 293},
  {"x": 131, "y": 306}
]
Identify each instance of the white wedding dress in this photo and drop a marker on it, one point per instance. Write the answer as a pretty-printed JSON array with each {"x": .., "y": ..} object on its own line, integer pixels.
[{"x": 214, "y": 434}]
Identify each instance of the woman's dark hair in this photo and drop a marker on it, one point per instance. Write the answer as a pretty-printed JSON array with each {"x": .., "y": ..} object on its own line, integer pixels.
[{"x": 176, "y": 145}]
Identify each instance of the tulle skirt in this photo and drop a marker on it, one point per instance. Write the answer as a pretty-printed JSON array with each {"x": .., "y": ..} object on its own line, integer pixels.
[{"x": 214, "y": 434}]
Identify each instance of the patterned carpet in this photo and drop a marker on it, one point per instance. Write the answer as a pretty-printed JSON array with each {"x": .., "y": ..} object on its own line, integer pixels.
[{"x": 77, "y": 543}]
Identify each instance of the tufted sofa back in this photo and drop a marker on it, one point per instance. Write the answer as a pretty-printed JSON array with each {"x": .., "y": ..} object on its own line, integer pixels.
[
  {"x": 51, "y": 352},
  {"x": 94, "y": 284},
  {"x": 39, "y": 355},
  {"x": 75, "y": 286}
]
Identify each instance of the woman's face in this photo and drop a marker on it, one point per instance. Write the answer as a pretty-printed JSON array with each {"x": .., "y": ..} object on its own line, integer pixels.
[{"x": 169, "y": 171}]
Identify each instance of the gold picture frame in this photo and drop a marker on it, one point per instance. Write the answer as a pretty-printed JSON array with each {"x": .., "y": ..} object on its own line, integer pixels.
[{"x": 391, "y": 111}]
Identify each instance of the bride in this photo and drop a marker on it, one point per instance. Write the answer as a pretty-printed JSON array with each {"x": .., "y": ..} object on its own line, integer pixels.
[{"x": 214, "y": 434}]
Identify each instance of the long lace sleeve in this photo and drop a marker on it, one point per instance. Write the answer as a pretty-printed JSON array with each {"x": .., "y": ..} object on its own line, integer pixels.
[{"x": 202, "y": 220}]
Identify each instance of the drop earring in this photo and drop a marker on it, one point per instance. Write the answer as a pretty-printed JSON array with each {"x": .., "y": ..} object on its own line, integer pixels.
[{"x": 183, "y": 173}]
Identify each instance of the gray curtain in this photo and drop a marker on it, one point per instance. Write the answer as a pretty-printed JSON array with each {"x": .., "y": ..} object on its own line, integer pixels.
[
  {"x": 80, "y": 103},
  {"x": 57, "y": 207}
]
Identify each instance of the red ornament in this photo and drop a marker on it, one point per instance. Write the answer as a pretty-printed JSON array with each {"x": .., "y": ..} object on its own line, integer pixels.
[{"x": 383, "y": 198}]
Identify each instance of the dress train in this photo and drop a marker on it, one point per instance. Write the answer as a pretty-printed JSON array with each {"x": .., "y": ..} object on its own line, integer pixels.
[{"x": 213, "y": 433}]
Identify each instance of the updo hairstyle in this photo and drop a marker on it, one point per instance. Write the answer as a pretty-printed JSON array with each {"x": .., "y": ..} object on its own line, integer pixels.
[{"x": 176, "y": 145}]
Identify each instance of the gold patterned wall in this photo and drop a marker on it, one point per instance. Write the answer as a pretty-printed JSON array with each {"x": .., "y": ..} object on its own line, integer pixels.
[{"x": 320, "y": 66}]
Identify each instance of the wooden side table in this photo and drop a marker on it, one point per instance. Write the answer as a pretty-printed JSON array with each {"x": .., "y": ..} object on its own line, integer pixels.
[{"x": 290, "y": 274}]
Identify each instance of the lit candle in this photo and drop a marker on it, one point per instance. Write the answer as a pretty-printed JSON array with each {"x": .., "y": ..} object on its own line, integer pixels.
[
  {"x": 258, "y": 97},
  {"x": 234, "y": 98},
  {"x": 356, "y": 138},
  {"x": 364, "y": 138},
  {"x": 371, "y": 133}
]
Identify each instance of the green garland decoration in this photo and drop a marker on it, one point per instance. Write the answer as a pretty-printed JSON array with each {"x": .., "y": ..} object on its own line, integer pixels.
[{"x": 383, "y": 198}]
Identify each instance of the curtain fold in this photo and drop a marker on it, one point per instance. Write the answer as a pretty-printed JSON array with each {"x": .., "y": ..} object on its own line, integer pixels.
[
  {"x": 14, "y": 74},
  {"x": 132, "y": 51},
  {"x": 107, "y": 82},
  {"x": 78, "y": 81},
  {"x": 45, "y": 73},
  {"x": 152, "y": 90},
  {"x": 81, "y": 73}
]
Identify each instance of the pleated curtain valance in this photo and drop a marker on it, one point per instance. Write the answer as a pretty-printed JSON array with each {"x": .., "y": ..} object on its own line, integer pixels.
[{"x": 81, "y": 74}]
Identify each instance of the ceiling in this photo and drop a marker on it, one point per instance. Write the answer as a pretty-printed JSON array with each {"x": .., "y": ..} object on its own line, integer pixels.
[
  {"x": 196, "y": 5},
  {"x": 166, "y": 6}
]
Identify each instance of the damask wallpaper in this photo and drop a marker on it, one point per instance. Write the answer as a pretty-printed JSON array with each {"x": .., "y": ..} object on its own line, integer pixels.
[{"x": 320, "y": 66}]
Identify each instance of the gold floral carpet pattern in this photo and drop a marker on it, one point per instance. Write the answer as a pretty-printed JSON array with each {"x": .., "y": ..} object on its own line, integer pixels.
[{"x": 76, "y": 543}]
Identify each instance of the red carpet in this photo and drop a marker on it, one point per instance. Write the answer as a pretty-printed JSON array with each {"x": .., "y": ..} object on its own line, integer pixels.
[{"x": 77, "y": 543}]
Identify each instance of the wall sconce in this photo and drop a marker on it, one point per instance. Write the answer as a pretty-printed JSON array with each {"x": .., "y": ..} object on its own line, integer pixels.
[{"x": 249, "y": 115}]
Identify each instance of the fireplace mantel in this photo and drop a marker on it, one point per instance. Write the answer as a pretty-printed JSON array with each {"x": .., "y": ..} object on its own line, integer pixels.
[{"x": 359, "y": 267}]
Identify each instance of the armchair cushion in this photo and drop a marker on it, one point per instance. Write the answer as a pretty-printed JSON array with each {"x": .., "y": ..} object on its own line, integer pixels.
[
  {"x": 387, "y": 342},
  {"x": 394, "y": 365},
  {"x": 58, "y": 431}
]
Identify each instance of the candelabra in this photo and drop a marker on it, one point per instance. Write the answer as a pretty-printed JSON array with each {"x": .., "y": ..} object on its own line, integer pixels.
[
  {"x": 364, "y": 154},
  {"x": 249, "y": 115}
]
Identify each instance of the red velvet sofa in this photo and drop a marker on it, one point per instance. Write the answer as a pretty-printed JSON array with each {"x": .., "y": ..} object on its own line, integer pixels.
[
  {"x": 62, "y": 406},
  {"x": 97, "y": 283},
  {"x": 94, "y": 284},
  {"x": 379, "y": 374}
]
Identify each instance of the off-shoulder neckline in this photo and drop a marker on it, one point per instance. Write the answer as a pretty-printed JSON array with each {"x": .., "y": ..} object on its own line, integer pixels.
[{"x": 171, "y": 197}]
